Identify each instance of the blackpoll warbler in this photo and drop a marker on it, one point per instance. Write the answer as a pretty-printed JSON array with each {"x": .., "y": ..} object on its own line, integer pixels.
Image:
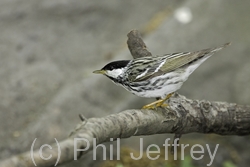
[{"x": 156, "y": 76}]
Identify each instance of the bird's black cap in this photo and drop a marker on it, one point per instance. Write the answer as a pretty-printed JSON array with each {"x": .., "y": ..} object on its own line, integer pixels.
[{"x": 116, "y": 65}]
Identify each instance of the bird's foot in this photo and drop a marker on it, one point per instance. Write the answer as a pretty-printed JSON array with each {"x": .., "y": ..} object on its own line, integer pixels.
[
  {"x": 162, "y": 104},
  {"x": 158, "y": 103},
  {"x": 153, "y": 105}
]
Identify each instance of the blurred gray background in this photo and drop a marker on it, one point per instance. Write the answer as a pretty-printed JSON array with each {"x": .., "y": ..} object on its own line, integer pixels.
[{"x": 48, "y": 50}]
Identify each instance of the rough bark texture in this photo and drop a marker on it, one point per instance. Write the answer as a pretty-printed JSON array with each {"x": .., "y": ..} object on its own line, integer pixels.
[{"x": 180, "y": 117}]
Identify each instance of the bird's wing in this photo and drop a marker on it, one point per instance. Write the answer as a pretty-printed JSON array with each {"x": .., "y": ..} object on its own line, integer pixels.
[
  {"x": 148, "y": 67},
  {"x": 143, "y": 67}
]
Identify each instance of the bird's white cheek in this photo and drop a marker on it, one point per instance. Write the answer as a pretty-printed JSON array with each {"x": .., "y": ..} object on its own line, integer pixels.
[{"x": 115, "y": 73}]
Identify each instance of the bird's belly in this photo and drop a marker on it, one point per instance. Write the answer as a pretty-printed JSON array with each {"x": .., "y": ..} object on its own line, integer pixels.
[
  {"x": 159, "y": 92},
  {"x": 159, "y": 86}
]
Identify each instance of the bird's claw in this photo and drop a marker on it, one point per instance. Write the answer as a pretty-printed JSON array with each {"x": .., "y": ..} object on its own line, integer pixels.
[
  {"x": 158, "y": 103},
  {"x": 155, "y": 105}
]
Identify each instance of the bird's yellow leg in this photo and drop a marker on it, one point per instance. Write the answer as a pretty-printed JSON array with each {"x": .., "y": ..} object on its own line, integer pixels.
[
  {"x": 152, "y": 105},
  {"x": 158, "y": 103},
  {"x": 162, "y": 104}
]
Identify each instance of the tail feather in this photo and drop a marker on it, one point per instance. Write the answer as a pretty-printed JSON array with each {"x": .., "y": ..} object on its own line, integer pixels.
[{"x": 216, "y": 49}]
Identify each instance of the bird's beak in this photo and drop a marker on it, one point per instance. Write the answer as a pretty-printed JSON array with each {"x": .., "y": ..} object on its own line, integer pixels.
[{"x": 99, "y": 72}]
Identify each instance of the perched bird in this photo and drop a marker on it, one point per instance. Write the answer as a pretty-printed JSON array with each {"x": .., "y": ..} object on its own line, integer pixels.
[{"x": 156, "y": 76}]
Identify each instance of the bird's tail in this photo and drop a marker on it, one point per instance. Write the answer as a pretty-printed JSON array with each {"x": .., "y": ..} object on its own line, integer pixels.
[{"x": 216, "y": 49}]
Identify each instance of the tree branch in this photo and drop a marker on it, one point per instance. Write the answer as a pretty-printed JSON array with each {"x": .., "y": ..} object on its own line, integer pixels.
[
  {"x": 136, "y": 45},
  {"x": 180, "y": 117}
]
